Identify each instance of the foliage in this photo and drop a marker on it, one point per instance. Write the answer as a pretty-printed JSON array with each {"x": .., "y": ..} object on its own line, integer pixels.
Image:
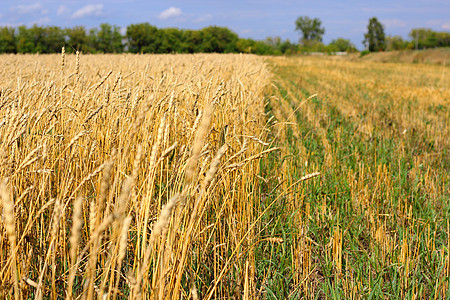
[
  {"x": 364, "y": 53},
  {"x": 313, "y": 46},
  {"x": 52, "y": 40},
  {"x": 7, "y": 40},
  {"x": 37, "y": 39},
  {"x": 374, "y": 39},
  {"x": 395, "y": 43},
  {"x": 310, "y": 28},
  {"x": 142, "y": 38},
  {"x": 169, "y": 40},
  {"x": 218, "y": 39},
  {"x": 24, "y": 40},
  {"x": 77, "y": 39},
  {"x": 146, "y": 38},
  {"x": 342, "y": 45},
  {"x": 107, "y": 40},
  {"x": 423, "y": 38},
  {"x": 276, "y": 46}
]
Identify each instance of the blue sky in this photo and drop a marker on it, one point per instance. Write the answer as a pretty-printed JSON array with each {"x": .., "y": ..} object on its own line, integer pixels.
[{"x": 248, "y": 18}]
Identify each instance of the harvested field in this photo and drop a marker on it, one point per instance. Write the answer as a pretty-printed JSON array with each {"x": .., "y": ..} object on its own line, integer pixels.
[{"x": 376, "y": 225}]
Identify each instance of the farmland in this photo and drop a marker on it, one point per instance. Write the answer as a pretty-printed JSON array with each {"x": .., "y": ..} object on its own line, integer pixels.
[
  {"x": 223, "y": 176},
  {"x": 377, "y": 222}
]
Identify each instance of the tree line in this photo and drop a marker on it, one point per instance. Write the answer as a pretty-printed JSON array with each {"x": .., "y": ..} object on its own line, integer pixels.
[
  {"x": 146, "y": 38},
  {"x": 375, "y": 39},
  {"x": 420, "y": 38},
  {"x": 139, "y": 38}
]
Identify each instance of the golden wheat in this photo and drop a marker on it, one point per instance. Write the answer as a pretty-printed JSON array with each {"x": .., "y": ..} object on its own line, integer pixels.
[{"x": 100, "y": 161}]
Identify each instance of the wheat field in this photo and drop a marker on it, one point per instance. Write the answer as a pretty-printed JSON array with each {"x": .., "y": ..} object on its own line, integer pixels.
[
  {"x": 223, "y": 177},
  {"x": 130, "y": 176}
]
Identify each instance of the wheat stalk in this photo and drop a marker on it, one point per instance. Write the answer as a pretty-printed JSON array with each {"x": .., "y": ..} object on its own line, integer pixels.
[{"x": 8, "y": 213}]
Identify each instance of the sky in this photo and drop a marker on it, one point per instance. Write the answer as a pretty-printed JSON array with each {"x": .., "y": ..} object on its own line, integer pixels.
[{"x": 248, "y": 18}]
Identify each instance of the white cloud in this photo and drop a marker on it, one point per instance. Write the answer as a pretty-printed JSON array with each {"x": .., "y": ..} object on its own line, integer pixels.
[
  {"x": 392, "y": 23},
  {"x": 9, "y": 24},
  {"x": 123, "y": 30},
  {"x": 29, "y": 9},
  {"x": 41, "y": 21},
  {"x": 446, "y": 26},
  {"x": 247, "y": 31},
  {"x": 63, "y": 10},
  {"x": 171, "y": 12},
  {"x": 88, "y": 11},
  {"x": 203, "y": 19}
]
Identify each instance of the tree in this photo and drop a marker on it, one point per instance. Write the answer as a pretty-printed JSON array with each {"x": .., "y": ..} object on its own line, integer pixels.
[
  {"x": 170, "y": 40},
  {"x": 39, "y": 39},
  {"x": 142, "y": 38},
  {"x": 53, "y": 39},
  {"x": 24, "y": 40},
  {"x": 427, "y": 38},
  {"x": 78, "y": 39},
  {"x": 262, "y": 48},
  {"x": 311, "y": 29},
  {"x": 246, "y": 45},
  {"x": 192, "y": 40},
  {"x": 341, "y": 45},
  {"x": 116, "y": 41},
  {"x": 374, "y": 39},
  {"x": 107, "y": 40},
  {"x": 7, "y": 40},
  {"x": 218, "y": 39},
  {"x": 287, "y": 47},
  {"x": 395, "y": 42}
]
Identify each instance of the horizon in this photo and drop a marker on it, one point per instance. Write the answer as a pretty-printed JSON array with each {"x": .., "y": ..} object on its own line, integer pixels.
[{"x": 257, "y": 20}]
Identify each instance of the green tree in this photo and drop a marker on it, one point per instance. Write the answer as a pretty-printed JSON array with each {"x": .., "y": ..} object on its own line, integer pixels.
[
  {"x": 37, "y": 35},
  {"x": 427, "y": 38},
  {"x": 170, "y": 40},
  {"x": 78, "y": 39},
  {"x": 104, "y": 38},
  {"x": 142, "y": 38},
  {"x": 287, "y": 47},
  {"x": 310, "y": 28},
  {"x": 117, "y": 40},
  {"x": 313, "y": 46},
  {"x": 24, "y": 40},
  {"x": 7, "y": 40},
  {"x": 218, "y": 39},
  {"x": 246, "y": 46},
  {"x": 107, "y": 39},
  {"x": 263, "y": 48},
  {"x": 192, "y": 41},
  {"x": 341, "y": 45},
  {"x": 374, "y": 39},
  {"x": 278, "y": 46},
  {"x": 48, "y": 39},
  {"x": 54, "y": 39},
  {"x": 395, "y": 42},
  {"x": 443, "y": 39},
  {"x": 39, "y": 39},
  {"x": 93, "y": 40}
]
